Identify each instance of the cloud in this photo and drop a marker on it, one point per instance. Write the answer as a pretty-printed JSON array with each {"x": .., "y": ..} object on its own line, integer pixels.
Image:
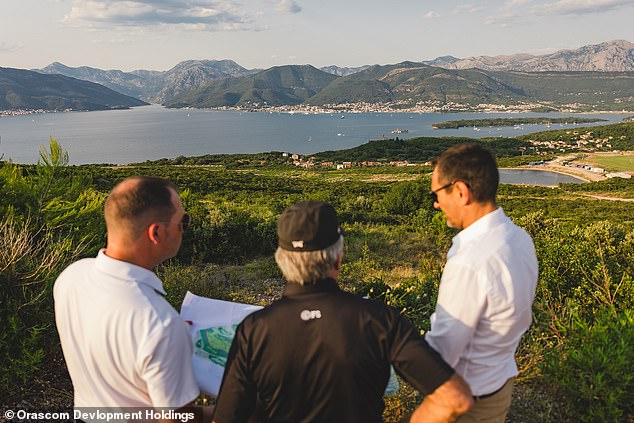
[
  {"x": 288, "y": 7},
  {"x": 513, "y": 11},
  {"x": 512, "y": 4},
  {"x": 467, "y": 8},
  {"x": 580, "y": 7},
  {"x": 8, "y": 48},
  {"x": 203, "y": 15},
  {"x": 431, "y": 15}
]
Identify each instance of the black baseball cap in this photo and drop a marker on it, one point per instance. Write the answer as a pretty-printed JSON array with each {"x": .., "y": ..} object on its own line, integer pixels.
[{"x": 308, "y": 226}]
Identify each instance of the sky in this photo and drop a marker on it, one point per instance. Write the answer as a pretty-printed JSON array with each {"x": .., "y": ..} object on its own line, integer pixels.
[{"x": 157, "y": 34}]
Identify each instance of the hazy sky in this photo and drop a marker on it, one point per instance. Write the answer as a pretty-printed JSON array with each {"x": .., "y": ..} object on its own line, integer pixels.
[{"x": 157, "y": 34}]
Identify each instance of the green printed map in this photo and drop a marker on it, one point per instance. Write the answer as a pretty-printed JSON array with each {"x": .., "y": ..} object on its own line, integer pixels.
[{"x": 214, "y": 343}]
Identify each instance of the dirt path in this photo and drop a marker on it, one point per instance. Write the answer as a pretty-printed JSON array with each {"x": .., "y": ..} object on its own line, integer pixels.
[{"x": 601, "y": 197}]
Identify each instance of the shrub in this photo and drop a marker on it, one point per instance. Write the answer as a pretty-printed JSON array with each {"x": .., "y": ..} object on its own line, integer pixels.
[
  {"x": 49, "y": 219},
  {"x": 29, "y": 263},
  {"x": 594, "y": 364}
]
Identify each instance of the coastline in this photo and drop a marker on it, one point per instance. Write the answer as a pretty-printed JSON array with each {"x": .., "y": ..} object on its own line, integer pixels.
[
  {"x": 361, "y": 107},
  {"x": 583, "y": 174}
]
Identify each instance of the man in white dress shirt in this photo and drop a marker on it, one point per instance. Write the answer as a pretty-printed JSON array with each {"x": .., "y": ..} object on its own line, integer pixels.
[
  {"x": 488, "y": 284},
  {"x": 124, "y": 345}
]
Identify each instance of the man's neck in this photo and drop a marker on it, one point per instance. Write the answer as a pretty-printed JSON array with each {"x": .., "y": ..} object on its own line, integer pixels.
[
  {"x": 476, "y": 212},
  {"x": 129, "y": 255}
]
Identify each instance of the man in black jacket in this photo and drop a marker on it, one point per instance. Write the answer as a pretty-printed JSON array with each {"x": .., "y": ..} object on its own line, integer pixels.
[{"x": 320, "y": 354}]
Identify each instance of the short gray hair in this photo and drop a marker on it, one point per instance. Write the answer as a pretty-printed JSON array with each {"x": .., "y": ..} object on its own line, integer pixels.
[{"x": 308, "y": 267}]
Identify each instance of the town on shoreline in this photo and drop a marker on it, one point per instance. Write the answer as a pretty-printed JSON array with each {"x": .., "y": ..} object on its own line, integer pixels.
[{"x": 388, "y": 107}]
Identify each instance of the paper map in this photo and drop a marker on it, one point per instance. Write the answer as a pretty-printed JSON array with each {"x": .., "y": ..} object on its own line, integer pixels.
[{"x": 213, "y": 326}]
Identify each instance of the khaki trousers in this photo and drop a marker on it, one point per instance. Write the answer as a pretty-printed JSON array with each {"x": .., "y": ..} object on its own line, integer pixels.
[{"x": 491, "y": 409}]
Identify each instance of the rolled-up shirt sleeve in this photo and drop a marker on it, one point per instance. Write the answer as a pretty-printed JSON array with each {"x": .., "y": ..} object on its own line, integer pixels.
[{"x": 461, "y": 302}]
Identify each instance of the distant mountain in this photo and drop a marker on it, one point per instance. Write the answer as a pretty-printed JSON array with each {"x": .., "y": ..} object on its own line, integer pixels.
[
  {"x": 280, "y": 85},
  {"x": 122, "y": 82},
  {"x": 192, "y": 74},
  {"x": 442, "y": 61},
  {"x": 597, "y": 75},
  {"x": 343, "y": 71},
  {"x": 23, "y": 89},
  {"x": 154, "y": 86},
  {"x": 411, "y": 82},
  {"x": 611, "y": 56}
]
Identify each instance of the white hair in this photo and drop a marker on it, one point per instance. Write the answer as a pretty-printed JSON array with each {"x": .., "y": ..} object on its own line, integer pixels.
[{"x": 308, "y": 267}]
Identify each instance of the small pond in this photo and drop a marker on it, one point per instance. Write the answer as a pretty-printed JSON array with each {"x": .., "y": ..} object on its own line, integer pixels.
[{"x": 542, "y": 178}]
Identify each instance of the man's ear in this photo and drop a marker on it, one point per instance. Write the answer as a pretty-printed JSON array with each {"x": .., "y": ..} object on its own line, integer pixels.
[
  {"x": 464, "y": 192},
  {"x": 153, "y": 233},
  {"x": 339, "y": 260}
]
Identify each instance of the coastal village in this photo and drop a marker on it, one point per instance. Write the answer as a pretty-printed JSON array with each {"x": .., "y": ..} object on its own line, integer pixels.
[{"x": 570, "y": 151}]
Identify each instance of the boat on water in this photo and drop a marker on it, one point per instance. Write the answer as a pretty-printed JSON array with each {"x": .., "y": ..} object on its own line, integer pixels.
[{"x": 400, "y": 131}]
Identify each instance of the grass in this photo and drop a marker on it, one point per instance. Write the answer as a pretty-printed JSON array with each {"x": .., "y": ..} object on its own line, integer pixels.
[{"x": 621, "y": 163}]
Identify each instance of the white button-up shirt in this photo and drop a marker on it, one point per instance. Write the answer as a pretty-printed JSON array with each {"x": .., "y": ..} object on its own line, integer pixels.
[
  {"x": 484, "y": 301},
  {"x": 124, "y": 345}
]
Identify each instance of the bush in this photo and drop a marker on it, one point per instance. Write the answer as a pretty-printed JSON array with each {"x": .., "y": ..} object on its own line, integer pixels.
[
  {"x": 594, "y": 364},
  {"x": 414, "y": 298},
  {"x": 405, "y": 198},
  {"x": 226, "y": 234},
  {"x": 29, "y": 263},
  {"x": 49, "y": 219}
]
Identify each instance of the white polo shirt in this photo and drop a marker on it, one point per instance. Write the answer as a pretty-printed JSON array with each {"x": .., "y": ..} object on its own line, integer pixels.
[
  {"x": 124, "y": 345},
  {"x": 484, "y": 301}
]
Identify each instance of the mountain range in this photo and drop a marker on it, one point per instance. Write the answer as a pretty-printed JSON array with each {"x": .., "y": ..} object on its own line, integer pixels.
[
  {"x": 600, "y": 75},
  {"x": 154, "y": 86},
  {"x": 408, "y": 83},
  {"x": 611, "y": 56},
  {"x": 23, "y": 89}
]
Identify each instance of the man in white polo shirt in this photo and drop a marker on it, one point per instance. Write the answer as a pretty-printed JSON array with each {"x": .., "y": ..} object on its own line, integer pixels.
[
  {"x": 488, "y": 284},
  {"x": 124, "y": 345}
]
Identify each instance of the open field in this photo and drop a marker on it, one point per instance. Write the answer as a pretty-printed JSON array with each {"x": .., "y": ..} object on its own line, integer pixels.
[{"x": 621, "y": 162}]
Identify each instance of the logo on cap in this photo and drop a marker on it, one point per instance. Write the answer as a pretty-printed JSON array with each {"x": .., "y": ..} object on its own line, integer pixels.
[
  {"x": 307, "y": 315},
  {"x": 298, "y": 244}
]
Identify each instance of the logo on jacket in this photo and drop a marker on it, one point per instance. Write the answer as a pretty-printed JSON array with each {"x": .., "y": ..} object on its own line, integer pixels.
[{"x": 307, "y": 315}]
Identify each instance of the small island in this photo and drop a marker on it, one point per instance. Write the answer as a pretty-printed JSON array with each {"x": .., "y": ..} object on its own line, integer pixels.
[{"x": 456, "y": 124}]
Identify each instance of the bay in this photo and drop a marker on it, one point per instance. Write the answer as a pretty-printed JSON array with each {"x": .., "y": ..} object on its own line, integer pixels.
[
  {"x": 542, "y": 178},
  {"x": 153, "y": 132}
]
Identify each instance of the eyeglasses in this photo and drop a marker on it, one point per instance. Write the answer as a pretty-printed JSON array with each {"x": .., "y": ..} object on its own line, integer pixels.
[
  {"x": 186, "y": 222},
  {"x": 433, "y": 193}
]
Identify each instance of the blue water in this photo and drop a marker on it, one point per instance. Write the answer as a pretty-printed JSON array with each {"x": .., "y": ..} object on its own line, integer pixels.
[
  {"x": 536, "y": 177},
  {"x": 153, "y": 132}
]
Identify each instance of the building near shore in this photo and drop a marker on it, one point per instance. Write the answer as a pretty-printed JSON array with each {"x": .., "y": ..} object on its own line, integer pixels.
[{"x": 618, "y": 175}]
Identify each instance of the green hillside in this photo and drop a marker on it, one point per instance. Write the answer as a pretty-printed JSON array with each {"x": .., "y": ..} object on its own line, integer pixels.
[
  {"x": 619, "y": 136},
  {"x": 605, "y": 90},
  {"x": 23, "y": 89},
  {"x": 417, "y": 149},
  {"x": 413, "y": 82},
  {"x": 408, "y": 83},
  {"x": 276, "y": 86}
]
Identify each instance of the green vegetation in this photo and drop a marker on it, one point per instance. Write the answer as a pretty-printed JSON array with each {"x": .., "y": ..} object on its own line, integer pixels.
[
  {"x": 455, "y": 124},
  {"x": 589, "y": 90},
  {"x": 23, "y": 89},
  {"x": 418, "y": 149},
  {"x": 408, "y": 83},
  {"x": 616, "y": 163},
  {"x": 276, "y": 86},
  {"x": 619, "y": 136},
  {"x": 575, "y": 362}
]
